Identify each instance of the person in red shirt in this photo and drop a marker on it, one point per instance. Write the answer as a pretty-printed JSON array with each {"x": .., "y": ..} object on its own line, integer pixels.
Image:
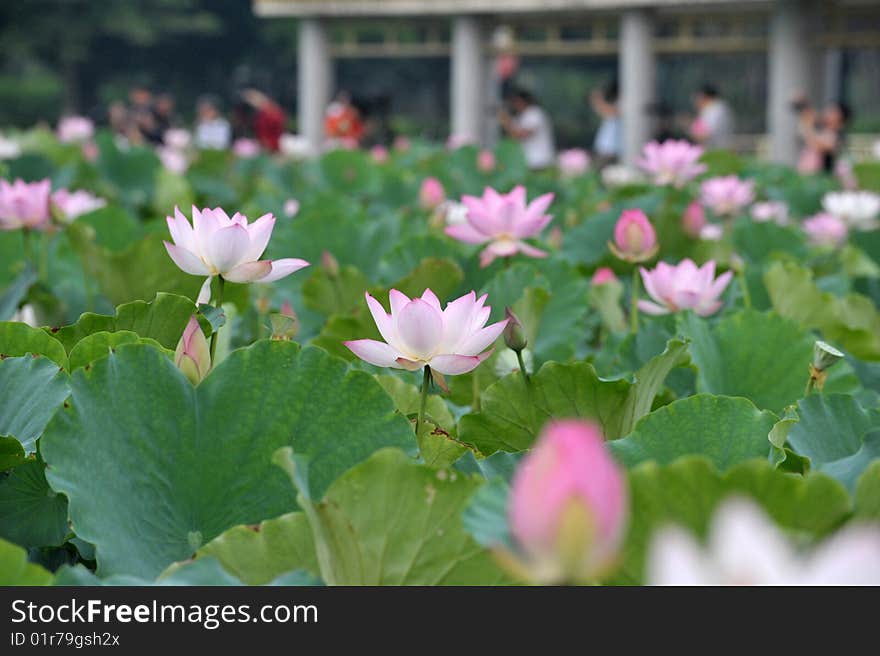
[
  {"x": 342, "y": 121},
  {"x": 269, "y": 118}
]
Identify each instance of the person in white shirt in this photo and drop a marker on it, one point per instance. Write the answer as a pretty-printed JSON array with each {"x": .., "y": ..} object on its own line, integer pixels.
[
  {"x": 608, "y": 140},
  {"x": 212, "y": 130},
  {"x": 532, "y": 128},
  {"x": 713, "y": 127}
]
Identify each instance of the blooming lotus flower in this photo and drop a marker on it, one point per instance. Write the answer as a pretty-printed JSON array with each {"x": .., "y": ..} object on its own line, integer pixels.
[
  {"x": 24, "y": 204},
  {"x": 177, "y": 138},
  {"x": 568, "y": 505},
  {"x": 726, "y": 195},
  {"x": 291, "y": 207},
  {"x": 173, "y": 160},
  {"x": 620, "y": 175},
  {"x": 504, "y": 221},
  {"x": 379, "y": 154},
  {"x": 673, "y": 162},
  {"x": 73, "y": 204},
  {"x": 246, "y": 148},
  {"x": 431, "y": 193},
  {"x": 456, "y": 141},
  {"x": 602, "y": 276},
  {"x": 486, "y": 161},
  {"x": 746, "y": 548},
  {"x": 825, "y": 230},
  {"x": 770, "y": 210},
  {"x": 573, "y": 162},
  {"x": 193, "y": 355},
  {"x": 9, "y": 148},
  {"x": 295, "y": 146},
  {"x": 419, "y": 333},
  {"x": 683, "y": 286},
  {"x": 858, "y": 208},
  {"x": 634, "y": 237},
  {"x": 75, "y": 129},
  {"x": 711, "y": 232},
  {"x": 216, "y": 245},
  {"x": 453, "y": 213},
  {"x": 694, "y": 219}
]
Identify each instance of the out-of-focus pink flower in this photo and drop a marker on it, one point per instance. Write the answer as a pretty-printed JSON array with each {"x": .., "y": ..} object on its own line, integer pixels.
[
  {"x": 287, "y": 310},
  {"x": 431, "y": 193},
  {"x": 291, "y": 207},
  {"x": 825, "y": 230},
  {"x": 246, "y": 148},
  {"x": 72, "y": 204},
  {"x": 845, "y": 173},
  {"x": 634, "y": 237},
  {"x": 726, "y": 195},
  {"x": 554, "y": 238},
  {"x": 711, "y": 232},
  {"x": 401, "y": 144},
  {"x": 602, "y": 276},
  {"x": 90, "y": 151},
  {"x": 699, "y": 129},
  {"x": 24, "y": 205},
  {"x": 573, "y": 162},
  {"x": 75, "y": 129},
  {"x": 456, "y": 141},
  {"x": 770, "y": 210},
  {"x": 193, "y": 355},
  {"x": 486, "y": 161},
  {"x": 673, "y": 162},
  {"x": 177, "y": 138},
  {"x": 693, "y": 219},
  {"x": 216, "y": 245},
  {"x": 173, "y": 160},
  {"x": 379, "y": 154},
  {"x": 418, "y": 332},
  {"x": 504, "y": 221},
  {"x": 745, "y": 547},
  {"x": 683, "y": 286},
  {"x": 569, "y": 505}
]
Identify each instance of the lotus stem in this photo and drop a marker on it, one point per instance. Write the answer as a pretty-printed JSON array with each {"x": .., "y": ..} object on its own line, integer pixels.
[
  {"x": 522, "y": 367},
  {"x": 634, "y": 303},
  {"x": 744, "y": 286},
  {"x": 218, "y": 303},
  {"x": 426, "y": 385}
]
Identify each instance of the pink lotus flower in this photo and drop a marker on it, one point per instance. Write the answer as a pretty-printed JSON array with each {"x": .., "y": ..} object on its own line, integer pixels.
[
  {"x": 431, "y": 193},
  {"x": 568, "y": 505},
  {"x": 634, "y": 237},
  {"x": 573, "y": 162},
  {"x": 486, "y": 161},
  {"x": 177, "y": 138},
  {"x": 291, "y": 207},
  {"x": 745, "y": 547},
  {"x": 246, "y": 148},
  {"x": 712, "y": 232},
  {"x": 402, "y": 144},
  {"x": 503, "y": 220},
  {"x": 24, "y": 204},
  {"x": 602, "y": 276},
  {"x": 379, "y": 154},
  {"x": 726, "y": 195},
  {"x": 693, "y": 219},
  {"x": 770, "y": 210},
  {"x": 174, "y": 161},
  {"x": 456, "y": 141},
  {"x": 193, "y": 355},
  {"x": 825, "y": 230},
  {"x": 419, "y": 333},
  {"x": 673, "y": 162},
  {"x": 90, "y": 151},
  {"x": 75, "y": 129},
  {"x": 699, "y": 129},
  {"x": 72, "y": 204},
  {"x": 216, "y": 245},
  {"x": 683, "y": 286}
]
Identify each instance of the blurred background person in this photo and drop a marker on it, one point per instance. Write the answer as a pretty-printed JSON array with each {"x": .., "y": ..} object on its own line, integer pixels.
[
  {"x": 268, "y": 118},
  {"x": 342, "y": 120},
  {"x": 713, "y": 126},
  {"x": 609, "y": 137},
  {"x": 823, "y": 136},
  {"x": 145, "y": 127},
  {"x": 212, "y": 129},
  {"x": 163, "y": 111},
  {"x": 530, "y": 125}
]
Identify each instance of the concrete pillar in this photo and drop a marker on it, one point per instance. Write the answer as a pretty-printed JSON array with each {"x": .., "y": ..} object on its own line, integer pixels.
[
  {"x": 315, "y": 82},
  {"x": 789, "y": 76},
  {"x": 637, "y": 80},
  {"x": 468, "y": 89}
]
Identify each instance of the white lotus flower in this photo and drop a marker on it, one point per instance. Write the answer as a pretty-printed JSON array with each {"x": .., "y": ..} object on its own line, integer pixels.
[{"x": 858, "y": 208}]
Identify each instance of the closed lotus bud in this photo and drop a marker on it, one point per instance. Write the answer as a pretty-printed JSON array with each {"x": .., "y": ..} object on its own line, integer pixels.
[
  {"x": 287, "y": 310},
  {"x": 825, "y": 356},
  {"x": 602, "y": 276},
  {"x": 634, "y": 237},
  {"x": 193, "y": 355},
  {"x": 431, "y": 193},
  {"x": 330, "y": 264},
  {"x": 513, "y": 332},
  {"x": 568, "y": 505}
]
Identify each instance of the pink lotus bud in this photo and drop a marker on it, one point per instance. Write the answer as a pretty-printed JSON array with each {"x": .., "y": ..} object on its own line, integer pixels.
[
  {"x": 25, "y": 205},
  {"x": 634, "y": 237},
  {"x": 431, "y": 193},
  {"x": 486, "y": 161},
  {"x": 287, "y": 310},
  {"x": 602, "y": 276},
  {"x": 246, "y": 148},
  {"x": 513, "y": 333},
  {"x": 330, "y": 264},
  {"x": 379, "y": 154},
  {"x": 193, "y": 355},
  {"x": 568, "y": 505},
  {"x": 573, "y": 162},
  {"x": 693, "y": 220},
  {"x": 291, "y": 207},
  {"x": 825, "y": 230}
]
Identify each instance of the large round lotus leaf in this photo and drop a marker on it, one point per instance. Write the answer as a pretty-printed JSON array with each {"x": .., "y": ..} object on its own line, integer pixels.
[{"x": 154, "y": 467}]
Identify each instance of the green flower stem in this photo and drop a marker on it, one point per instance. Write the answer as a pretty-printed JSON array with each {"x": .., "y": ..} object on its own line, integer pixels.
[
  {"x": 27, "y": 246},
  {"x": 522, "y": 367},
  {"x": 218, "y": 303},
  {"x": 743, "y": 285},
  {"x": 426, "y": 385},
  {"x": 634, "y": 303},
  {"x": 44, "y": 257},
  {"x": 810, "y": 384}
]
